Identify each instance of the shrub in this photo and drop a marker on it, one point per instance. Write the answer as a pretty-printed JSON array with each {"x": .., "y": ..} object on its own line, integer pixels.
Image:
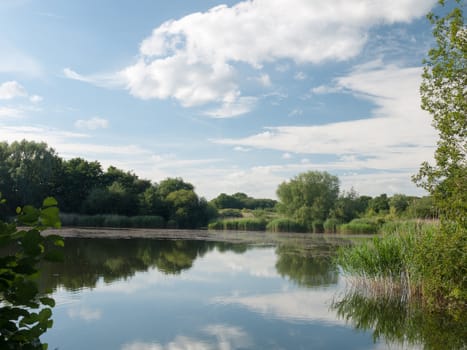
[
  {"x": 357, "y": 226},
  {"x": 230, "y": 213}
]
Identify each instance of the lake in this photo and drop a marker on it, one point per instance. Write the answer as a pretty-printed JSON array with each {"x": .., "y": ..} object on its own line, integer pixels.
[{"x": 226, "y": 291}]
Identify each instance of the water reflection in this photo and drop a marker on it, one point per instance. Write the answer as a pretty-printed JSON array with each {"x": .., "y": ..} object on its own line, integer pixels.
[
  {"x": 403, "y": 323},
  {"x": 89, "y": 260},
  {"x": 153, "y": 294},
  {"x": 306, "y": 267}
]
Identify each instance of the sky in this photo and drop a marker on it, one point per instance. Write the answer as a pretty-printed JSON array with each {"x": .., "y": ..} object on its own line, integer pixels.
[{"x": 231, "y": 96}]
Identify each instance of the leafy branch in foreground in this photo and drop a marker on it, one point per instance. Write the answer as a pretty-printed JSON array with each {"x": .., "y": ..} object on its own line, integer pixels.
[{"x": 25, "y": 314}]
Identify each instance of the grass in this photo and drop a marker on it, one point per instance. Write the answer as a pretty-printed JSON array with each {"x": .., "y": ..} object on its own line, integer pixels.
[
  {"x": 413, "y": 259},
  {"x": 285, "y": 225}
]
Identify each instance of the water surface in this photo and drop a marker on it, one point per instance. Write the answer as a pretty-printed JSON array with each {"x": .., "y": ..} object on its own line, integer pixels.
[{"x": 151, "y": 294}]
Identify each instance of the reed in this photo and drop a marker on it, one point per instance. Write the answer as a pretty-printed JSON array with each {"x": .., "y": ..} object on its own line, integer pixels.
[
  {"x": 285, "y": 225},
  {"x": 245, "y": 224}
]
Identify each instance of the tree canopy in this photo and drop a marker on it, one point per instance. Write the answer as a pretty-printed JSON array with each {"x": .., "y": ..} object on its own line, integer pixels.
[
  {"x": 444, "y": 96},
  {"x": 308, "y": 197}
]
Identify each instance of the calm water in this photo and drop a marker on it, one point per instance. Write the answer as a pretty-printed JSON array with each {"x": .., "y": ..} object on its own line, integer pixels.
[{"x": 154, "y": 294}]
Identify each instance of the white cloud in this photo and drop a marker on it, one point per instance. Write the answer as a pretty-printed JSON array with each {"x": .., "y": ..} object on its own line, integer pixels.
[
  {"x": 193, "y": 59},
  {"x": 233, "y": 108},
  {"x": 10, "y": 113},
  {"x": 11, "y": 89},
  {"x": 399, "y": 133},
  {"x": 110, "y": 80},
  {"x": 286, "y": 155},
  {"x": 92, "y": 123},
  {"x": 35, "y": 98},
  {"x": 241, "y": 149},
  {"x": 325, "y": 89}
]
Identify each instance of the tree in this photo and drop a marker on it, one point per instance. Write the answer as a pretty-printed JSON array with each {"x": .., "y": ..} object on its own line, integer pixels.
[
  {"x": 308, "y": 197},
  {"x": 399, "y": 203},
  {"x": 30, "y": 172},
  {"x": 25, "y": 313},
  {"x": 444, "y": 96},
  {"x": 79, "y": 178}
]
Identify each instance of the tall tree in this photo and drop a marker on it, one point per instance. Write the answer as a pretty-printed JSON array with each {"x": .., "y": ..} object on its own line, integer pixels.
[
  {"x": 308, "y": 197},
  {"x": 444, "y": 96}
]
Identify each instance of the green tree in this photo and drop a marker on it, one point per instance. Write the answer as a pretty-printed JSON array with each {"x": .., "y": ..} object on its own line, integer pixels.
[
  {"x": 25, "y": 313},
  {"x": 173, "y": 184},
  {"x": 308, "y": 197},
  {"x": 399, "y": 203},
  {"x": 30, "y": 172},
  {"x": 444, "y": 96},
  {"x": 79, "y": 178}
]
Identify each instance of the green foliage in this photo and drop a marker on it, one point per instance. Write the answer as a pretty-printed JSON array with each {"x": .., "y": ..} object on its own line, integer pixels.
[
  {"x": 29, "y": 171},
  {"x": 245, "y": 224},
  {"x": 422, "y": 208},
  {"x": 230, "y": 213},
  {"x": 241, "y": 201},
  {"x": 443, "y": 95},
  {"x": 308, "y": 197},
  {"x": 349, "y": 206},
  {"x": 362, "y": 225},
  {"x": 25, "y": 314},
  {"x": 285, "y": 225}
]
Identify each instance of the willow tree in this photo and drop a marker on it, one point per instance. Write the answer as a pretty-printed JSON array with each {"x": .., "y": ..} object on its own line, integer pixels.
[{"x": 444, "y": 96}]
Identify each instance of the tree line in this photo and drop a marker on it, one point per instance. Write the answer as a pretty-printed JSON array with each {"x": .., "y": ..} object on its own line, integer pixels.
[{"x": 31, "y": 171}]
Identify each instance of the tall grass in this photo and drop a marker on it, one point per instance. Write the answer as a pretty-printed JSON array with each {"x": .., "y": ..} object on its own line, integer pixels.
[
  {"x": 246, "y": 224},
  {"x": 120, "y": 221},
  {"x": 285, "y": 225},
  {"x": 428, "y": 261}
]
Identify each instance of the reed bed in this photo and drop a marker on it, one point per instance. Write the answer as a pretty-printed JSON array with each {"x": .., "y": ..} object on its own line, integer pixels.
[{"x": 120, "y": 221}]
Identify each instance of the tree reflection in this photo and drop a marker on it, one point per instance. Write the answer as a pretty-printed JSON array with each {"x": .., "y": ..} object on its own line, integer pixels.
[
  {"x": 306, "y": 267},
  {"x": 405, "y": 323},
  {"x": 88, "y": 260}
]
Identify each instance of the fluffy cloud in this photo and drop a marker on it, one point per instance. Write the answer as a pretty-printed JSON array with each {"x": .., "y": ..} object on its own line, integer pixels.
[
  {"x": 194, "y": 59},
  {"x": 11, "y": 89},
  {"x": 92, "y": 124}
]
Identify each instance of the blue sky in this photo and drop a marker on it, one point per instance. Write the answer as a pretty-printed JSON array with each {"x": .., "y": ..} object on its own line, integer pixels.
[{"x": 231, "y": 96}]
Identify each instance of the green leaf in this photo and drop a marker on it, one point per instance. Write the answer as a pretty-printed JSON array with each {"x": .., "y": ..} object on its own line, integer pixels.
[
  {"x": 49, "y": 202},
  {"x": 47, "y": 301},
  {"x": 50, "y": 217}
]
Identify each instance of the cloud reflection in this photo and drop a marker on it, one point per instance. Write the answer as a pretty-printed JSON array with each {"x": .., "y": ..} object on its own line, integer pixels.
[
  {"x": 227, "y": 338},
  {"x": 295, "y": 305}
]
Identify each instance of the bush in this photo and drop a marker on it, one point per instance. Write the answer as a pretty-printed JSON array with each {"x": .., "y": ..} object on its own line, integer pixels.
[
  {"x": 363, "y": 226},
  {"x": 285, "y": 225}
]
